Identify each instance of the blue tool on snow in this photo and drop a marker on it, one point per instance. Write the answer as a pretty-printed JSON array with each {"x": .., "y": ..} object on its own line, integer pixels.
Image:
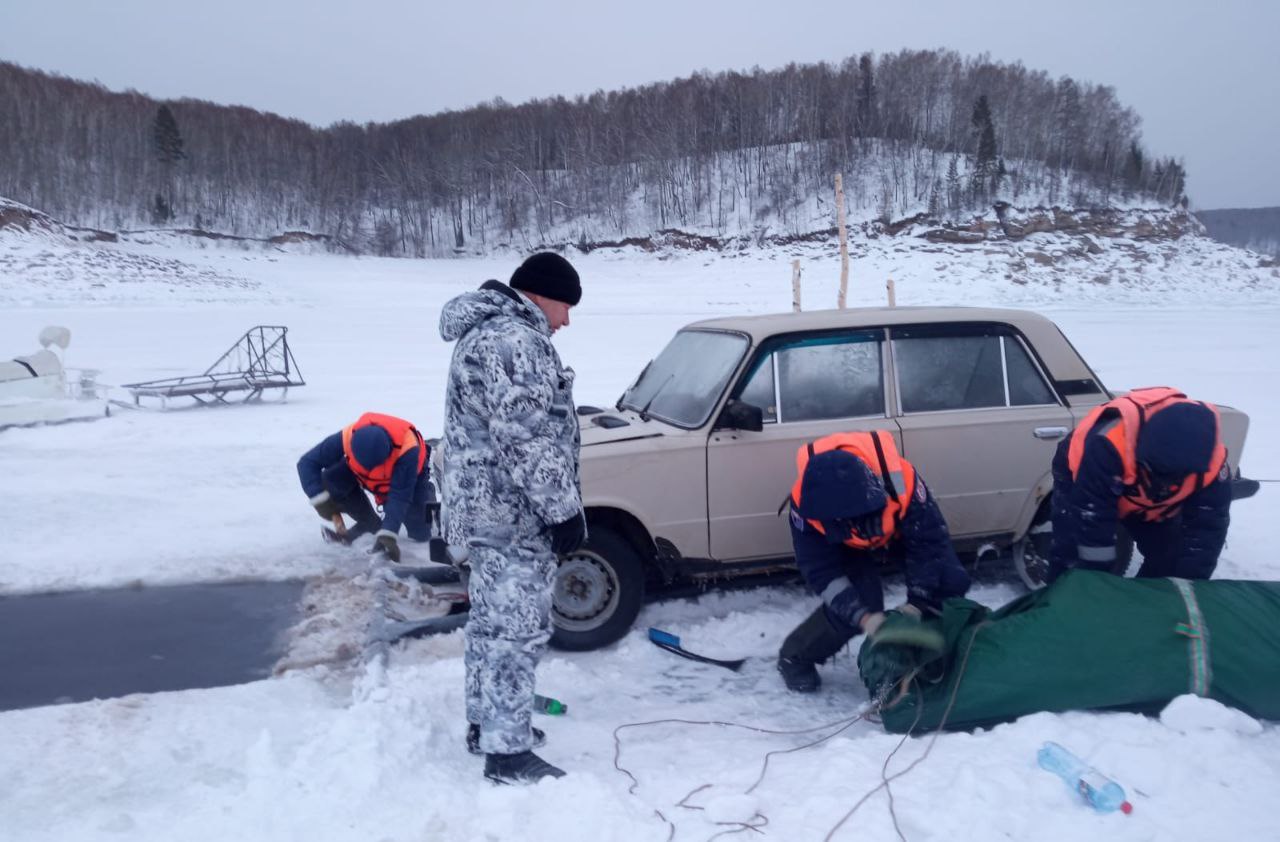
[{"x": 671, "y": 643}]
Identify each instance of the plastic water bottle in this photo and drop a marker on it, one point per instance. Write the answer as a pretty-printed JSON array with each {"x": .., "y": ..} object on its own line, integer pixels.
[
  {"x": 1099, "y": 791},
  {"x": 549, "y": 706}
]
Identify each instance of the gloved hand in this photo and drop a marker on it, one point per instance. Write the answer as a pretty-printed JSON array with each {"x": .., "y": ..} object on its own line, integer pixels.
[
  {"x": 870, "y": 525},
  {"x": 881, "y": 667},
  {"x": 568, "y": 536},
  {"x": 386, "y": 544},
  {"x": 867, "y": 527},
  {"x": 902, "y": 627},
  {"x": 325, "y": 505}
]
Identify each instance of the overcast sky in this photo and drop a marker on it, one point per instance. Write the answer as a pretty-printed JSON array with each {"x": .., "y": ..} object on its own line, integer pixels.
[{"x": 1204, "y": 76}]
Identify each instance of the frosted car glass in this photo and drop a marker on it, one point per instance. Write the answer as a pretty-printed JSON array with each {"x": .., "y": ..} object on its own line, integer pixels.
[
  {"x": 1026, "y": 386},
  {"x": 830, "y": 381},
  {"x": 939, "y": 373}
]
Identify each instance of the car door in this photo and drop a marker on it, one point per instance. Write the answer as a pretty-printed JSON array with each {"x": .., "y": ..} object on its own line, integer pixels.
[
  {"x": 809, "y": 386},
  {"x": 979, "y": 420}
]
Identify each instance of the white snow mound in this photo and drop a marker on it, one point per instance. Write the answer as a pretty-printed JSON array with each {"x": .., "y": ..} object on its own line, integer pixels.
[{"x": 1194, "y": 713}]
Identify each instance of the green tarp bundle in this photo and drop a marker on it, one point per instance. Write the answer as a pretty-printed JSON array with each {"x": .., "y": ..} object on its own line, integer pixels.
[{"x": 1095, "y": 641}]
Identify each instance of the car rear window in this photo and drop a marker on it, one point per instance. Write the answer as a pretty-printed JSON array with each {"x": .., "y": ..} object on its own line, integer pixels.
[{"x": 981, "y": 368}]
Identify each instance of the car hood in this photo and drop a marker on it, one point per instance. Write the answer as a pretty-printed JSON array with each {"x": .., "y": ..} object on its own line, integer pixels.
[{"x": 593, "y": 433}]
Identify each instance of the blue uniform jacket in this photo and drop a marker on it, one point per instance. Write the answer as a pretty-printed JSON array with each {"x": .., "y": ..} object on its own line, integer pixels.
[
  {"x": 324, "y": 467},
  {"x": 933, "y": 572},
  {"x": 1092, "y": 511}
]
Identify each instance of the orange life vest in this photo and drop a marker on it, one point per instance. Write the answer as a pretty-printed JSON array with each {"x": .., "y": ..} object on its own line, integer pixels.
[
  {"x": 1132, "y": 411},
  {"x": 880, "y": 454},
  {"x": 404, "y": 437}
]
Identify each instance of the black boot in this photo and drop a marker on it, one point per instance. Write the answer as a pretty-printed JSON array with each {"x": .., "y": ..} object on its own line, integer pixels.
[
  {"x": 473, "y": 737},
  {"x": 811, "y": 643},
  {"x": 523, "y": 768},
  {"x": 800, "y": 676}
]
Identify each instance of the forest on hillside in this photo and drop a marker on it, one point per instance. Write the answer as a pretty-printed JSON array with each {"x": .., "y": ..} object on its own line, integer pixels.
[{"x": 714, "y": 153}]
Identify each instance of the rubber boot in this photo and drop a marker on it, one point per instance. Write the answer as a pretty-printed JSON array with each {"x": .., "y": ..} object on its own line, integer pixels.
[
  {"x": 523, "y": 768},
  {"x": 473, "y": 736},
  {"x": 809, "y": 644}
]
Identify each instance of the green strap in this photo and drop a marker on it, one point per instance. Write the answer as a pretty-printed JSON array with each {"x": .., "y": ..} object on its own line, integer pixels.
[{"x": 1197, "y": 633}]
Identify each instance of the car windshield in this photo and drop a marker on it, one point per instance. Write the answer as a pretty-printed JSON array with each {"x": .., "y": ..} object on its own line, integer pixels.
[{"x": 683, "y": 383}]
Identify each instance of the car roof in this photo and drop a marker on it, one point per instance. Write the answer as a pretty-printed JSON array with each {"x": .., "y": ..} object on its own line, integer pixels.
[
  {"x": 763, "y": 326},
  {"x": 1053, "y": 348}
]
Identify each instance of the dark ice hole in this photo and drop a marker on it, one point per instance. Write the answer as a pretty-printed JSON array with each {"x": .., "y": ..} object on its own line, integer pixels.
[{"x": 80, "y": 645}]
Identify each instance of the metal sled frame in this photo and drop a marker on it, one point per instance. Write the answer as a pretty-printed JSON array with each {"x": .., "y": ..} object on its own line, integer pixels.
[{"x": 258, "y": 361}]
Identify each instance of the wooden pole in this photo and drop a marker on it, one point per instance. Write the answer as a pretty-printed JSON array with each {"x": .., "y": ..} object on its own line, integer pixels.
[
  {"x": 892, "y": 299},
  {"x": 339, "y": 524},
  {"x": 844, "y": 243},
  {"x": 795, "y": 285}
]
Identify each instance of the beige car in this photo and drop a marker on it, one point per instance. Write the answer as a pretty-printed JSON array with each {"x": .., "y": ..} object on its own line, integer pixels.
[{"x": 685, "y": 477}]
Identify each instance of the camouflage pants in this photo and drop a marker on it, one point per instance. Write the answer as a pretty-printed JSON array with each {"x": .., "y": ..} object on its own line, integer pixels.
[{"x": 506, "y": 634}]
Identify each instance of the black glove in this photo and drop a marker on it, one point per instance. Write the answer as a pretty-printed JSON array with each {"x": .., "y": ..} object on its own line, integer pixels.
[
  {"x": 386, "y": 544},
  {"x": 325, "y": 505},
  {"x": 870, "y": 525},
  {"x": 569, "y": 536},
  {"x": 867, "y": 527},
  {"x": 882, "y": 667}
]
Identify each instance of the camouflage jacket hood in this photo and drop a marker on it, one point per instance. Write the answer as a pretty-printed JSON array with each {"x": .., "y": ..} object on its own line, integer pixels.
[{"x": 493, "y": 300}]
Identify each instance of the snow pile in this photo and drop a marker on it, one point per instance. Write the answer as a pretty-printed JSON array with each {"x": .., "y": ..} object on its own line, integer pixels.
[
  {"x": 21, "y": 223},
  {"x": 1188, "y": 714},
  {"x": 290, "y": 242},
  {"x": 1059, "y": 267},
  {"x": 71, "y": 274}
]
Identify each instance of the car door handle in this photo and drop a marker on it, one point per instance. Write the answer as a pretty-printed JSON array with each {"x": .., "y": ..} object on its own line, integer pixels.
[{"x": 1050, "y": 432}]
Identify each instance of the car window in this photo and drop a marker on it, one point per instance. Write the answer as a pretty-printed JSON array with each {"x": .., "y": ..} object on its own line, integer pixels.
[
  {"x": 819, "y": 377},
  {"x": 683, "y": 383},
  {"x": 1026, "y": 386},
  {"x": 759, "y": 390},
  {"x": 947, "y": 372}
]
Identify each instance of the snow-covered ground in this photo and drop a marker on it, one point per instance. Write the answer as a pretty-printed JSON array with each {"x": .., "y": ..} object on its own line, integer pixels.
[{"x": 335, "y": 753}]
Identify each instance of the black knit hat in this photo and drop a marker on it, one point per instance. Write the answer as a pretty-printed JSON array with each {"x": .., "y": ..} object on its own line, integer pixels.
[
  {"x": 549, "y": 275},
  {"x": 1179, "y": 440},
  {"x": 836, "y": 484}
]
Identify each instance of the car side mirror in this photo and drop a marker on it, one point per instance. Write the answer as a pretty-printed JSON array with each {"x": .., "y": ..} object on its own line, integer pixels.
[{"x": 740, "y": 415}]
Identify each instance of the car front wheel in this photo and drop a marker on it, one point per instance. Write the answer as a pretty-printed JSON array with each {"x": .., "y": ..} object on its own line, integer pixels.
[{"x": 598, "y": 592}]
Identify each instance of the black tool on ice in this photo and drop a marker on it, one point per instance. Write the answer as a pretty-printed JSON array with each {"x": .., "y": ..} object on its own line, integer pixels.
[
  {"x": 393, "y": 630},
  {"x": 346, "y": 539},
  {"x": 671, "y": 643}
]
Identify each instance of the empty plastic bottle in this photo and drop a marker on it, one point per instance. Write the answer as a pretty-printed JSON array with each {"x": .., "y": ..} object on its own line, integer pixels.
[
  {"x": 550, "y": 706},
  {"x": 1099, "y": 792}
]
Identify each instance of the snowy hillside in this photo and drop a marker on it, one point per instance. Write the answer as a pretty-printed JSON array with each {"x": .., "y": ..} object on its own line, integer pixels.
[
  {"x": 43, "y": 262},
  {"x": 1020, "y": 256},
  {"x": 337, "y": 752}
]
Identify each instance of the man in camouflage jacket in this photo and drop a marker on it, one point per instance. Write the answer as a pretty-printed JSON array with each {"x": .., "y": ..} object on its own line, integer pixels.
[{"x": 510, "y": 494}]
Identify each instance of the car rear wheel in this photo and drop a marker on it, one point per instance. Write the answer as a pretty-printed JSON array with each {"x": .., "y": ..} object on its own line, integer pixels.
[
  {"x": 1031, "y": 554},
  {"x": 598, "y": 592}
]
